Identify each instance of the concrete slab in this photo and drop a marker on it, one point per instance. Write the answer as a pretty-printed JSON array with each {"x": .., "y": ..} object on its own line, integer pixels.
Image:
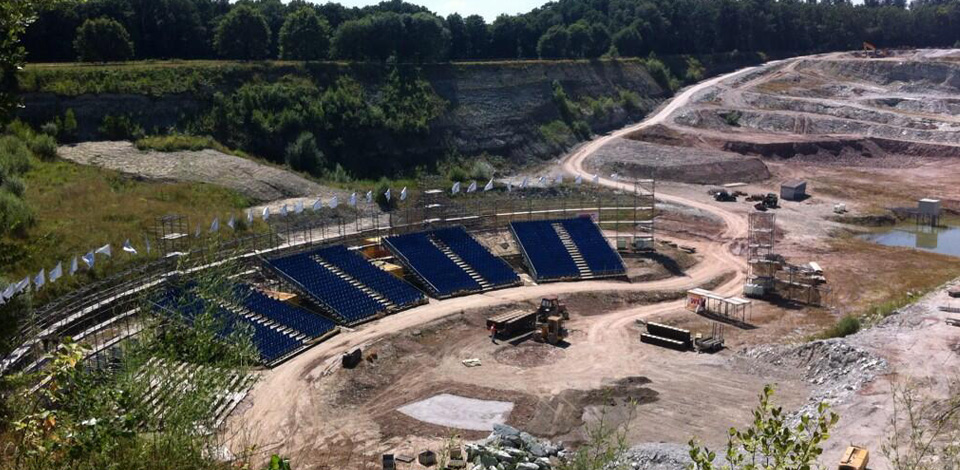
[{"x": 459, "y": 412}]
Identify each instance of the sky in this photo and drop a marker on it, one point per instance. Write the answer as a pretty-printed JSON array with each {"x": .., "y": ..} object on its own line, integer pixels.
[{"x": 488, "y": 9}]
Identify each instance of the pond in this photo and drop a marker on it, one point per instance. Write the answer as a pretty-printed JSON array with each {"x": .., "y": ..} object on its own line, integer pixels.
[{"x": 944, "y": 240}]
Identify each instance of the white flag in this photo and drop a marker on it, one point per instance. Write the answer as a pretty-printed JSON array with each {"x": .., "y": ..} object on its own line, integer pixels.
[
  {"x": 509, "y": 187},
  {"x": 472, "y": 187},
  {"x": 22, "y": 285},
  {"x": 560, "y": 178},
  {"x": 146, "y": 241},
  {"x": 387, "y": 194},
  {"x": 489, "y": 185},
  {"x": 73, "y": 266},
  {"x": 456, "y": 188},
  {"x": 578, "y": 180},
  {"x": 283, "y": 210},
  {"x": 334, "y": 202},
  {"x": 266, "y": 213},
  {"x": 89, "y": 259},
  {"x": 198, "y": 232},
  {"x": 129, "y": 248},
  {"x": 317, "y": 205},
  {"x": 540, "y": 180},
  {"x": 370, "y": 196},
  {"x": 39, "y": 280},
  {"x": 523, "y": 184},
  {"x": 215, "y": 225},
  {"x": 232, "y": 223},
  {"x": 57, "y": 272},
  {"x": 8, "y": 293},
  {"x": 249, "y": 216},
  {"x": 104, "y": 250},
  {"x": 298, "y": 208},
  {"x": 596, "y": 179},
  {"x": 403, "y": 194},
  {"x": 353, "y": 199}
]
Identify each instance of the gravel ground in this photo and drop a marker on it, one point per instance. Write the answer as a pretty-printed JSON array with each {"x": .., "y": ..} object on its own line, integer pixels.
[
  {"x": 638, "y": 159},
  {"x": 257, "y": 181}
]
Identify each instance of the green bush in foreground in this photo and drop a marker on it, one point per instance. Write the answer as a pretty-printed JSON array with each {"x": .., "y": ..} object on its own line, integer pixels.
[{"x": 771, "y": 442}]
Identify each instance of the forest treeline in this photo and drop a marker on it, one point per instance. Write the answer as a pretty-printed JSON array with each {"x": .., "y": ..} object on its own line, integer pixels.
[{"x": 106, "y": 30}]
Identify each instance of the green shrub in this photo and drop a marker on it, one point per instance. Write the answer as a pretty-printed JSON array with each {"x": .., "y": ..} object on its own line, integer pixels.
[
  {"x": 556, "y": 133},
  {"x": 14, "y": 185},
  {"x": 44, "y": 147},
  {"x": 481, "y": 170},
  {"x": 15, "y": 215},
  {"x": 846, "y": 326},
  {"x": 732, "y": 118},
  {"x": 180, "y": 142},
  {"x": 629, "y": 100},
  {"x": 381, "y": 198},
  {"x": 69, "y": 127},
  {"x": 457, "y": 173},
  {"x": 120, "y": 128},
  {"x": 305, "y": 155},
  {"x": 14, "y": 156},
  {"x": 661, "y": 74},
  {"x": 338, "y": 175},
  {"x": 695, "y": 70},
  {"x": 51, "y": 128},
  {"x": 581, "y": 129}
]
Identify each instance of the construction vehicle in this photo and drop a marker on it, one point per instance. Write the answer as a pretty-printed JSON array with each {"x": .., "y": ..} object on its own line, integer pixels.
[
  {"x": 550, "y": 331},
  {"x": 765, "y": 201},
  {"x": 722, "y": 195},
  {"x": 854, "y": 458},
  {"x": 546, "y": 321}
]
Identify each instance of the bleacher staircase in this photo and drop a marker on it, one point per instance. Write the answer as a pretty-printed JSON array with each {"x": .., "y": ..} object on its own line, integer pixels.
[{"x": 575, "y": 254}]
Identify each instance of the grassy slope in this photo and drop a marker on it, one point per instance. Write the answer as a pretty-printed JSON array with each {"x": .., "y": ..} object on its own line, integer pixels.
[{"x": 79, "y": 208}]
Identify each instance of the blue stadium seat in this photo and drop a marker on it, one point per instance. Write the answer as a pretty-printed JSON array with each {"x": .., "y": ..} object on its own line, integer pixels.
[
  {"x": 544, "y": 250},
  {"x": 491, "y": 268},
  {"x": 305, "y": 322},
  {"x": 270, "y": 343},
  {"x": 340, "y": 297},
  {"x": 441, "y": 275},
  {"x": 378, "y": 280},
  {"x": 596, "y": 251}
]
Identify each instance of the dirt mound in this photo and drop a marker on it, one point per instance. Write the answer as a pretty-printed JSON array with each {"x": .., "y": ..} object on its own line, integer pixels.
[
  {"x": 636, "y": 159},
  {"x": 255, "y": 180},
  {"x": 835, "y": 368}
]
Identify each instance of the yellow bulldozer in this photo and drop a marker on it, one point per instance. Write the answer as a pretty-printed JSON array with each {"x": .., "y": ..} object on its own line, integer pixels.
[{"x": 546, "y": 322}]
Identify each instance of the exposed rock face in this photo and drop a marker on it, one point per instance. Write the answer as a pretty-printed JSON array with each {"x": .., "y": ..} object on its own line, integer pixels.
[{"x": 496, "y": 108}]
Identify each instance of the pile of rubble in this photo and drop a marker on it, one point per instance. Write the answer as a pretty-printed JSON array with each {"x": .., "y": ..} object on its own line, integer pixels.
[
  {"x": 655, "y": 456},
  {"x": 508, "y": 448},
  {"x": 835, "y": 368}
]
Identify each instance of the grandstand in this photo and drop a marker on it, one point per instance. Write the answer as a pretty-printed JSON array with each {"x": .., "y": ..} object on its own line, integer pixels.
[
  {"x": 275, "y": 341},
  {"x": 336, "y": 285},
  {"x": 346, "y": 285},
  {"x": 566, "y": 249},
  {"x": 450, "y": 262}
]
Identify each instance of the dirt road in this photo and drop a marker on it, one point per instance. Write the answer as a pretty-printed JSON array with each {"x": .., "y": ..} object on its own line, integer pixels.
[{"x": 285, "y": 392}]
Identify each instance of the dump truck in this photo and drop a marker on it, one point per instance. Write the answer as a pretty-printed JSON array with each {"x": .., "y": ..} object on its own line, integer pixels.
[
  {"x": 513, "y": 323},
  {"x": 854, "y": 458}
]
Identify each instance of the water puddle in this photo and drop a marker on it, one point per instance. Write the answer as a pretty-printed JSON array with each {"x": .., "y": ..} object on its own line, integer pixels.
[{"x": 944, "y": 240}]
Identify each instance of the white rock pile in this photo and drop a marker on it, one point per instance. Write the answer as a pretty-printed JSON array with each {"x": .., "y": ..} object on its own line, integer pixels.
[{"x": 508, "y": 448}]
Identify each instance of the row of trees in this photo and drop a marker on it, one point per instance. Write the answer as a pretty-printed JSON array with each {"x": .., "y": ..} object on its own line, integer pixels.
[{"x": 299, "y": 30}]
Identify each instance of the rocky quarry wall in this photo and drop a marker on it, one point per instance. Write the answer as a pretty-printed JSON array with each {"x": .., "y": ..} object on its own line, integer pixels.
[{"x": 494, "y": 108}]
